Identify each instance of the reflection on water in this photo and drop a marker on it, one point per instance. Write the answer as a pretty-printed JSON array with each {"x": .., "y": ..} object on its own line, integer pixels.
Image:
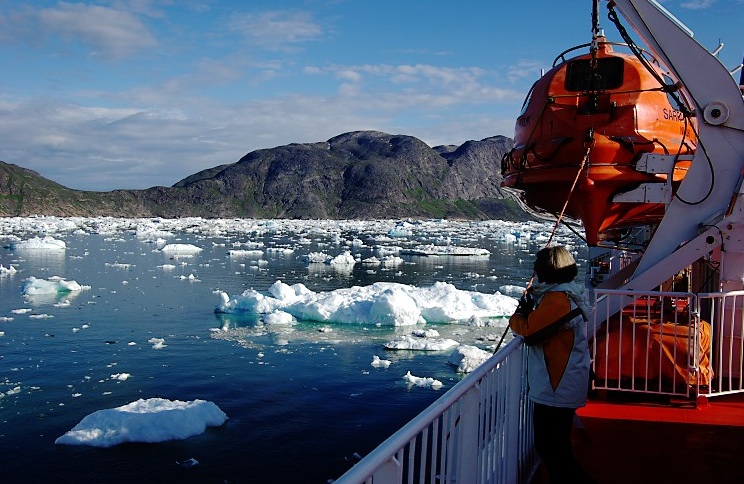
[
  {"x": 232, "y": 321},
  {"x": 41, "y": 261},
  {"x": 59, "y": 299}
]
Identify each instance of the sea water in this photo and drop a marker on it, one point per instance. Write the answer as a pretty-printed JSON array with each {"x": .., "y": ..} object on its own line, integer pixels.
[{"x": 303, "y": 402}]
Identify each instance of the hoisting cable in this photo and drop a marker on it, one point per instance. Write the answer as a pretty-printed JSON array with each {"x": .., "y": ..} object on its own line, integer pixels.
[
  {"x": 700, "y": 145},
  {"x": 672, "y": 91},
  {"x": 590, "y": 135}
]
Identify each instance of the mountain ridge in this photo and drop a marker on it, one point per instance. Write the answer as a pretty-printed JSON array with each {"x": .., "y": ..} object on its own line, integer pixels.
[{"x": 354, "y": 175}]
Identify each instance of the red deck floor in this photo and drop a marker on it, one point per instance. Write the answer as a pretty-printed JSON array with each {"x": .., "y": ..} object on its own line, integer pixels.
[{"x": 662, "y": 442}]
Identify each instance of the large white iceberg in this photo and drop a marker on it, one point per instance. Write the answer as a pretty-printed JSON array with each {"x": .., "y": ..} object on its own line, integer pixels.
[
  {"x": 181, "y": 249},
  {"x": 383, "y": 303},
  {"x": 54, "y": 285},
  {"x": 151, "y": 420},
  {"x": 46, "y": 243},
  {"x": 437, "y": 250}
]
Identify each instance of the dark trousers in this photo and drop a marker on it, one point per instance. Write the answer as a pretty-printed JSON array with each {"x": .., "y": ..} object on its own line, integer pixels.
[{"x": 553, "y": 444}]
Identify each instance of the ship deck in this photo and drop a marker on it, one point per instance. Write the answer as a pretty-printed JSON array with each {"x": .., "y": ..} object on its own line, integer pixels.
[{"x": 621, "y": 440}]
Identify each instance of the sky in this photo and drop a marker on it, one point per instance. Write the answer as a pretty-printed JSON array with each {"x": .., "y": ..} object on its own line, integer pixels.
[{"x": 130, "y": 94}]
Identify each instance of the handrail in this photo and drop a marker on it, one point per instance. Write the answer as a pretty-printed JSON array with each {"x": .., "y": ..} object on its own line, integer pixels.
[
  {"x": 481, "y": 429},
  {"x": 670, "y": 343},
  {"x": 470, "y": 430},
  {"x": 725, "y": 312},
  {"x": 581, "y": 46}
]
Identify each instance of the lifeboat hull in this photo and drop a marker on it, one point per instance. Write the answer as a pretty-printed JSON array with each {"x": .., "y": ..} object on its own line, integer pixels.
[{"x": 579, "y": 148}]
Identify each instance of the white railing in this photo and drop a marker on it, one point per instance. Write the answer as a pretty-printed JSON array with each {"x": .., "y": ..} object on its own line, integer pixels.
[
  {"x": 670, "y": 343},
  {"x": 725, "y": 312},
  {"x": 650, "y": 346},
  {"x": 479, "y": 431}
]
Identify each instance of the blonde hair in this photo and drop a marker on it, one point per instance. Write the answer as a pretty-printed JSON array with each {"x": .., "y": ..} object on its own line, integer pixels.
[{"x": 555, "y": 265}]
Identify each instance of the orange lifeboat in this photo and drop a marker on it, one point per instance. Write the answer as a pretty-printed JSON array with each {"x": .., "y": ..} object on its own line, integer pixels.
[{"x": 580, "y": 135}]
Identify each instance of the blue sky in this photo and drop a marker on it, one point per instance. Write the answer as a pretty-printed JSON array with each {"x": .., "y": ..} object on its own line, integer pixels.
[{"x": 137, "y": 93}]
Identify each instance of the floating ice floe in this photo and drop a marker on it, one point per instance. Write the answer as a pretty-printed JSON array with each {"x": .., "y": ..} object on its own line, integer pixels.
[
  {"x": 422, "y": 381},
  {"x": 385, "y": 261},
  {"x": 412, "y": 342},
  {"x": 467, "y": 358},
  {"x": 382, "y": 303},
  {"x": 245, "y": 253},
  {"x": 379, "y": 363},
  {"x": 13, "y": 391},
  {"x": 46, "y": 243},
  {"x": 157, "y": 343},
  {"x": 401, "y": 229},
  {"x": 316, "y": 258},
  {"x": 54, "y": 285},
  {"x": 178, "y": 249},
  {"x": 511, "y": 290},
  {"x": 6, "y": 271},
  {"x": 343, "y": 259},
  {"x": 438, "y": 250},
  {"x": 41, "y": 316},
  {"x": 279, "y": 250},
  {"x": 148, "y": 421},
  {"x": 191, "y": 462}
]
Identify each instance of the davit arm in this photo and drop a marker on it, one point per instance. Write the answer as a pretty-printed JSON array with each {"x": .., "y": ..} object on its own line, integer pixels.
[{"x": 707, "y": 209}]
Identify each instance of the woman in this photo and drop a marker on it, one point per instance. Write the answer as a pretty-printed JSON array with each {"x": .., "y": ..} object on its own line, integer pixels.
[{"x": 551, "y": 318}]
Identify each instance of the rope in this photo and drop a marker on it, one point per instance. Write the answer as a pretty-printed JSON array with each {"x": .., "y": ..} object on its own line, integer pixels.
[{"x": 555, "y": 228}]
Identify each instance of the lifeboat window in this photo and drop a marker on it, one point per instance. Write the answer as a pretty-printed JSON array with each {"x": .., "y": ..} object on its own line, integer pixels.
[
  {"x": 527, "y": 100},
  {"x": 609, "y": 74}
]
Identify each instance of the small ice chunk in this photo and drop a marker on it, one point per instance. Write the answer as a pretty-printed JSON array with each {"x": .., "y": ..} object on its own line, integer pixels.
[
  {"x": 467, "y": 358},
  {"x": 422, "y": 381},
  {"x": 377, "y": 362}
]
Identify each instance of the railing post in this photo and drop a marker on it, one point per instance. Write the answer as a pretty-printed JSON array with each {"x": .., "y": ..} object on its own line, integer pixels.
[
  {"x": 468, "y": 452},
  {"x": 512, "y": 457}
]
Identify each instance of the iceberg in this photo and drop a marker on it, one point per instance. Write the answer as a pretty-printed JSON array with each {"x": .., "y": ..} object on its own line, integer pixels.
[
  {"x": 147, "y": 421},
  {"x": 381, "y": 303},
  {"x": 467, "y": 358},
  {"x": 181, "y": 249},
  {"x": 54, "y": 285},
  {"x": 445, "y": 250},
  {"x": 422, "y": 381},
  {"x": 413, "y": 342},
  {"x": 46, "y": 243}
]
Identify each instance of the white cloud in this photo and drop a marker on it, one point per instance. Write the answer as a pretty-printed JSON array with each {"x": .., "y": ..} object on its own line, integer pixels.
[
  {"x": 697, "y": 4},
  {"x": 525, "y": 69},
  {"x": 105, "y": 31},
  {"x": 135, "y": 147},
  {"x": 276, "y": 29},
  {"x": 424, "y": 87}
]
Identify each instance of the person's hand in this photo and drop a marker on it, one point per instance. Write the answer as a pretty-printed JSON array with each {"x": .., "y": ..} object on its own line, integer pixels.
[{"x": 526, "y": 304}]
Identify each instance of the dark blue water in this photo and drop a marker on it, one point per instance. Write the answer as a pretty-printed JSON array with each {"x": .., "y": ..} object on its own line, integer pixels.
[{"x": 300, "y": 403}]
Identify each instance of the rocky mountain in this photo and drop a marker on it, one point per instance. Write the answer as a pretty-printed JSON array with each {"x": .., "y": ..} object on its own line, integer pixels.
[{"x": 362, "y": 175}]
